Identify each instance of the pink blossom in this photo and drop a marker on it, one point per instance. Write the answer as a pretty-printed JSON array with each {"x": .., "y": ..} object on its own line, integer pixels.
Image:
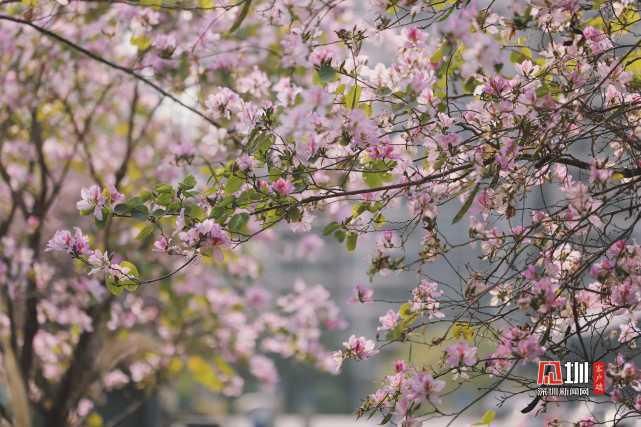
[
  {"x": 497, "y": 86},
  {"x": 33, "y": 223},
  {"x": 448, "y": 141},
  {"x": 95, "y": 200},
  {"x": 625, "y": 294},
  {"x": 363, "y": 130},
  {"x": 400, "y": 366},
  {"x": 423, "y": 386},
  {"x": 75, "y": 244},
  {"x": 616, "y": 248},
  {"x": 207, "y": 234},
  {"x": 529, "y": 348},
  {"x": 389, "y": 320},
  {"x": 362, "y": 294},
  {"x": 223, "y": 103},
  {"x": 359, "y": 348},
  {"x": 587, "y": 422},
  {"x": 139, "y": 371},
  {"x": 184, "y": 151},
  {"x": 166, "y": 44},
  {"x": 597, "y": 40},
  {"x": 295, "y": 49},
  {"x": 388, "y": 239},
  {"x": 115, "y": 379},
  {"x": 461, "y": 352},
  {"x": 612, "y": 95},
  {"x": 282, "y": 187},
  {"x": 92, "y": 200},
  {"x": 516, "y": 342},
  {"x": 601, "y": 268},
  {"x": 84, "y": 407},
  {"x": 507, "y": 154},
  {"x": 628, "y": 332},
  {"x": 309, "y": 247},
  {"x": 99, "y": 261},
  {"x": 322, "y": 55},
  {"x": 257, "y": 297},
  {"x": 255, "y": 83},
  {"x": 414, "y": 36},
  {"x": 381, "y": 151},
  {"x": 162, "y": 244},
  {"x": 526, "y": 68},
  {"x": 548, "y": 298},
  {"x": 598, "y": 174},
  {"x": 246, "y": 162},
  {"x": 424, "y": 299},
  {"x": 263, "y": 368}
]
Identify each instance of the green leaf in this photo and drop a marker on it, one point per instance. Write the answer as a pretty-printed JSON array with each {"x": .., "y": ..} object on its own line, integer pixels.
[
  {"x": 326, "y": 73},
  {"x": 204, "y": 373},
  {"x": 164, "y": 199},
  {"x": 405, "y": 311},
  {"x": 439, "y": 54},
  {"x": 470, "y": 84},
  {"x": 248, "y": 196},
  {"x": 195, "y": 211},
  {"x": 233, "y": 184},
  {"x": 206, "y": 4},
  {"x": 218, "y": 213},
  {"x": 94, "y": 420},
  {"x": 466, "y": 205},
  {"x": 376, "y": 179},
  {"x": 142, "y": 42},
  {"x": 260, "y": 146},
  {"x": 294, "y": 214},
  {"x": 367, "y": 108},
  {"x": 146, "y": 231},
  {"x": 442, "y": 4},
  {"x": 113, "y": 286},
  {"x": 188, "y": 183},
  {"x": 132, "y": 270},
  {"x": 134, "y": 206},
  {"x": 139, "y": 211},
  {"x": 351, "y": 241},
  {"x": 519, "y": 55},
  {"x": 223, "y": 366},
  {"x": 237, "y": 222},
  {"x": 241, "y": 16},
  {"x": 633, "y": 63},
  {"x": 330, "y": 228},
  {"x": 358, "y": 209},
  {"x": 135, "y": 201},
  {"x": 487, "y": 419},
  {"x": 122, "y": 209},
  {"x": 373, "y": 179},
  {"x": 146, "y": 196},
  {"x": 352, "y": 97},
  {"x": 164, "y": 188}
]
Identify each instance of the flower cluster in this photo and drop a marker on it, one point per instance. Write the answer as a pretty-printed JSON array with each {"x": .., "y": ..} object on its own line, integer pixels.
[{"x": 502, "y": 172}]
